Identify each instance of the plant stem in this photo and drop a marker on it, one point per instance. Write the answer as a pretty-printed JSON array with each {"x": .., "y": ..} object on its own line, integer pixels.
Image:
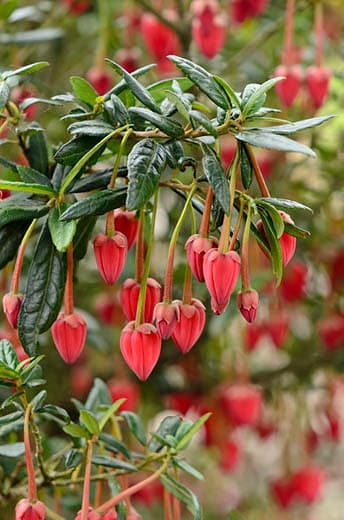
[
  {"x": 140, "y": 246},
  {"x": 288, "y": 33},
  {"x": 131, "y": 490},
  {"x": 319, "y": 34},
  {"x": 204, "y": 226},
  {"x": 187, "y": 288},
  {"x": 86, "y": 488},
  {"x": 227, "y": 219},
  {"x": 245, "y": 277},
  {"x": 167, "y": 505},
  {"x": 170, "y": 258},
  {"x": 110, "y": 224},
  {"x": 20, "y": 258},
  {"x": 176, "y": 508},
  {"x": 68, "y": 295},
  {"x": 264, "y": 190},
  {"x": 32, "y": 488},
  {"x": 237, "y": 226}
]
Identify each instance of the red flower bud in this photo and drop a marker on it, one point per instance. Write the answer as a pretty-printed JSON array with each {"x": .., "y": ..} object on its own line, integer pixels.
[
  {"x": 128, "y": 58},
  {"x": 331, "y": 331},
  {"x": 253, "y": 333},
  {"x": 4, "y": 194},
  {"x": 30, "y": 510},
  {"x": 196, "y": 247},
  {"x": 111, "y": 254},
  {"x": 129, "y": 297},
  {"x": 69, "y": 335},
  {"x": 248, "y": 302},
  {"x": 123, "y": 388},
  {"x": 244, "y": 9},
  {"x": 190, "y": 324},
  {"x": 282, "y": 492},
  {"x": 166, "y": 316},
  {"x": 159, "y": 39},
  {"x": 100, "y": 80},
  {"x": 77, "y": 7},
  {"x": 294, "y": 280},
  {"x": 208, "y": 27},
  {"x": 110, "y": 515},
  {"x": 277, "y": 327},
  {"x": 221, "y": 272},
  {"x": 242, "y": 403},
  {"x": 140, "y": 348},
  {"x": 288, "y": 88},
  {"x": 91, "y": 515},
  {"x": 11, "y": 304},
  {"x": 318, "y": 80},
  {"x": 287, "y": 242},
  {"x": 127, "y": 223},
  {"x": 308, "y": 482},
  {"x": 230, "y": 455}
]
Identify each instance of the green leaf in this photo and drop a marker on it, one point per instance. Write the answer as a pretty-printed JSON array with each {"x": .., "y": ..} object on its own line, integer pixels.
[
  {"x": 61, "y": 232},
  {"x": 10, "y": 417},
  {"x": 4, "y": 94},
  {"x": 111, "y": 462},
  {"x": 200, "y": 77},
  {"x": 176, "y": 100},
  {"x": 33, "y": 176},
  {"x": 98, "y": 395},
  {"x": 168, "y": 426},
  {"x": 27, "y": 69},
  {"x": 272, "y": 141},
  {"x": 274, "y": 245},
  {"x": 258, "y": 96},
  {"x": 39, "y": 399},
  {"x": 233, "y": 100},
  {"x": 94, "y": 181},
  {"x": 203, "y": 121},
  {"x": 8, "y": 356},
  {"x": 83, "y": 90},
  {"x": 174, "y": 152},
  {"x": 183, "y": 494},
  {"x": 245, "y": 167},
  {"x": 114, "y": 445},
  {"x": 291, "y": 128},
  {"x": 184, "y": 466},
  {"x": 23, "y": 211},
  {"x": 76, "y": 431},
  {"x": 146, "y": 161},
  {"x": 91, "y": 127},
  {"x": 8, "y": 373},
  {"x": 11, "y": 236},
  {"x": 286, "y": 204},
  {"x": 37, "y": 152},
  {"x": 158, "y": 90},
  {"x": 276, "y": 219},
  {"x": 72, "y": 151},
  {"x": 122, "y": 86},
  {"x": 184, "y": 440},
  {"x": 88, "y": 420},
  {"x": 38, "y": 189},
  {"x": 120, "y": 112},
  {"x": 96, "y": 204},
  {"x": 72, "y": 458},
  {"x": 16, "y": 449},
  {"x": 296, "y": 231},
  {"x": 166, "y": 125},
  {"x": 44, "y": 292},
  {"x": 52, "y": 409},
  {"x": 135, "y": 426},
  {"x": 215, "y": 174},
  {"x": 110, "y": 412}
]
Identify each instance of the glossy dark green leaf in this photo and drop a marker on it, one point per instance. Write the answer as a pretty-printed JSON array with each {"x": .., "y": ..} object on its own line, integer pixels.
[
  {"x": 177, "y": 101},
  {"x": 111, "y": 462},
  {"x": 83, "y": 90},
  {"x": 93, "y": 181},
  {"x": 110, "y": 411},
  {"x": 114, "y": 445},
  {"x": 166, "y": 125},
  {"x": 38, "y": 401},
  {"x": 228, "y": 92},
  {"x": 13, "y": 450},
  {"x": 122, "y": 86},
  {"x": 139, "y": 91},
  {"x": 168, "y": 426},
  {"x": 37, "y": 152},
  {"x": 62, "y": 232},
  {"x": 187, "y": 468},
  {"x": 174, "y": 152},
  {"x": 200, "y": 77},
  {"x": 88, "y": 420},
  {"x": 96, "y": 204},
  {"x": 184, "y": 435},
  {"x": 30, "y": 175},
  {"x": 38, "y": 189},
  {"x": 44, "y": 292},
  {"x": 158, "y": 89},
  {"x": 10, "y": 417},
  {"x": 296, "y": 231},
  {"x": 72, "y": 458},
  {"x": 98, "y": 395},
  {"x": 245, "y": 167},
  {"x": 82, "y": 236},
  {"x": 26, "y": 69},
  {"x": 291, "y": 128},
  {"x": 146, "y": 162},
  {"x": 253, "y": 102},
  {"x": 8, "y": 356},
  {"x": 8, "y": 373},
  {"x": 15, "y": 426},
  {"x": 289, "y": 205},
  {"x": 76, "y": 431},
  {"x": 276, "y": 219},
  {"x": 135, "y": 426},
  {"x": 273, "y": 245},
  {"x": 92, "y": 127},
  {"x": 26, "y": 210},
  {"x": 120, "y": 112},
  {"x": 72, "y": 151},
  {"x": 52, "y": 409},
  {"x": 183, "y": 494},
  {"x": 4, "y": 94},
  {"x": 10, "y": 237},
  {"x": 203, "y": 121},
  {"x": 272, "y": 141},
  {"x": 215, "y": 174}
]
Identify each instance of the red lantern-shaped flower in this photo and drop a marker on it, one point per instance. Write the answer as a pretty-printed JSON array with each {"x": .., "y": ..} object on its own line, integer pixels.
[
  {"x": 91, "y": 515},
  {"x": 317, "y": 81},
  {"x": 140, "y": 347},
  {"x": 30, "y": 510},
  {"x": 129, "y": 297},
  {"x": 288, "y": 89},
  {"x": 248, "y": 302},
  {"x": 242, "y": 403},
  {"x": 221, "y": 273},
  {"x": 159, "y": 39},
  {"x": 123, "y": 388},
  {"x": 127, "y": 223},
  {"x": 196, "y": 247},
  {"x": 111, "y": 254},
  {"x": 190, "y": 324},
  {"x": 287, "y": 242},
  {"x": 11, "y": 304},
  {"x": 69, "y": 335},
  {"x": 166, "y": 316}
]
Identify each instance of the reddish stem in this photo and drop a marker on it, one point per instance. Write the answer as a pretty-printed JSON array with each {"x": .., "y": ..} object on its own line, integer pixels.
[
  {"x": 176, "y": 508},
  {"x": 237, "y": 227},
  {"x": 68, "y": 295},
  {"x": 319, "y": 34},
  {"x": 224, "y": 237},
  {"x": 169, "y": 274},
  {"x": 167, "y": 506},
  {"x": 32, "y": 488},
  {"x": 204, "y": 226},
  {"x": 20, "y": 257},
  {"x": 245, "y": 275},
  {"x": 258, "y": 172},
  {"x": 140, "y": 246},
  {"x": 110, "y": 224},
  {"x": 87, "y": 481},
  {"x": 288, "y": 33},
  {"x": 187, "y": 288}
]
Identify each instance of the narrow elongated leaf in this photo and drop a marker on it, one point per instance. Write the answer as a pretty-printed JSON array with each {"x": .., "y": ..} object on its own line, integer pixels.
[
  {"x": 296, "y": 231},
  {"x": 203, "y": 121},
  {"x": 168, "y": 426},
  {"x": 10, "y": 237},
  {"x": 184, "y": 466},
  {"x": 56, "y": 410},
  {"x": 10, "y": 417},
  {"x": 291, "y": 128},
  {"x": 183, "y": 494},
  {"x": 8, "y": 373},
  {"x": 72, "y": 458},
  {"x": 96, "y": 204},
  {"x": 135, "y": 426},
  {"x": 245, "y": 167},
  {"x": 120, "y": 112},
  {"x": 114, "y": 445},
  {"x": 200, "y": 77},
  {"x": 39, "y": 399},
  {"x": 185, "y": 438},
  {"x": 233, "y": 99},
  {"x": 92, "y": 127},
  {"x": 16, "y": 449},
  {"x": 215, "y": 174},
  {"x": 23, "y": 211},
  {"x": 72, "y": 151},
  {"x": 274, "y": 245},
  {"x": 37, "y": 152},
  {"x": 276, "y": 219},
  {"x": 8, "y": 356},
  {"x": 93, "y": 181},
  {"x": 139, "y": 91},
  {"x": 4, "y": 94},
  {"x": 26, "y": 69},
  {"x": 75, "y": 430},
  {"x": 88, "y": 420},
  {"x": 30, "y": 175},
  {"x": 287, "y": 204},
  {"x": 110, "y": 412},
  {"x": 110, "y": 462},
  {"x": 158, "y": 89},
  {"x": 272, "y": 141},
  {"x": 166, "y": 125},
  {"x": 83, "y": 90},
  {"x": 122, "y": 85},
  {"x": 44, "y": 292},
  {"x": 82, "y": 236},
  {"x": 62, "y": 232},
  {"x": 257, "y": 99},
  {"x": 99, "y": 395},
  {"x": 146, "y": 162},
  {"x": 39, "y": 189}
]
